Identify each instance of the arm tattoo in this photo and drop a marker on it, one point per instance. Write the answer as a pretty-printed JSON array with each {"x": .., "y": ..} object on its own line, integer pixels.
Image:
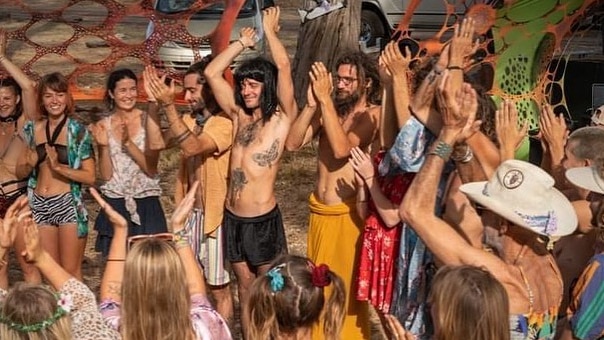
[
  {"x": 247, "y": 133},
  {"x": 267, "y": 157},
  {"x": 238, "y": 181},
  {"x": 115, "y": 288}
]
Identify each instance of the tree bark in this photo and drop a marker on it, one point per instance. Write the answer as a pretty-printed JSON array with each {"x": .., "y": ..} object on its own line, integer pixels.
[{"x": 325, "y": 39}]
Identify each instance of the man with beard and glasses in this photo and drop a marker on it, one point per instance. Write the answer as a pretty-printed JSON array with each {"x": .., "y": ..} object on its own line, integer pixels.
[
  {"x": 205, "y": 138},
  {"x": 348, "y": 119},
  {"x": 263, "y": 108}
]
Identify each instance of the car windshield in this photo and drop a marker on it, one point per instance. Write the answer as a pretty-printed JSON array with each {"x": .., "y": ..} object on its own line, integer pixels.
[{"x": 176, "y": 6}]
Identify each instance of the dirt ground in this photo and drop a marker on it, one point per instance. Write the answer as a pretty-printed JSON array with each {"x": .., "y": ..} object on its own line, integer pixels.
[{"x": 297, "y": 170}]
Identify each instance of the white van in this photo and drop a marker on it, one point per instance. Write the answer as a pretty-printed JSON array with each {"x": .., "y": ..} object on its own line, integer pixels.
[
  {"x": 179, "y": 55},
  {"x": 379, "y": 18}
]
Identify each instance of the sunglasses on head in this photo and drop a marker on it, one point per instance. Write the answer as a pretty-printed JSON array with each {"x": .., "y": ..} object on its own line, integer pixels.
[{"x": 168, "y": 237}]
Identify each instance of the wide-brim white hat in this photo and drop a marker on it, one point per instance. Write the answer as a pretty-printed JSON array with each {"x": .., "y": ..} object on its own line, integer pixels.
[
  {"x": 524, "y": 194},
  {"x": 597, "y": 118},
  {"x": 587, "y": 178}
]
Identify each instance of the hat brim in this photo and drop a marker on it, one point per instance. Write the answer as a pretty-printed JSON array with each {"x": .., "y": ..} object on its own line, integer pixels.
[
  {"x": 565, "y": 213},
  {"x": 584, "y": 177}
]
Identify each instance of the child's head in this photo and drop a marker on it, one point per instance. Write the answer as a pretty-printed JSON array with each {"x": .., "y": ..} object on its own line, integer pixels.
[
  {"x": 34, "y": 312},
  {"x": 291, "y": 296}
]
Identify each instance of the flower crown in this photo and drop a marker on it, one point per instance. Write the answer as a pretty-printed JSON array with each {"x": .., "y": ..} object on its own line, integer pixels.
[{"x": 64, "y": 305}]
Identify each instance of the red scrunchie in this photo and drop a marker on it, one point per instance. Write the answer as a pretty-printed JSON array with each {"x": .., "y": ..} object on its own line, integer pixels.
[{"x": 320, "y": 276}]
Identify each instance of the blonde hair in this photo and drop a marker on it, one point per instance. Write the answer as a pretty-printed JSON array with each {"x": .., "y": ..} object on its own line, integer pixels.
[
  {"x": 299, "y": 303},
  {"x": 29, "y": 304},
  {"x": 470, "y": 304},
  {"x": 155, "y": 297}
]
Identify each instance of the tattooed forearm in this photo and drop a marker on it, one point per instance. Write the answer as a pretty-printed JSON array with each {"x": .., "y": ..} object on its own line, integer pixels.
[
  {"x": 267, "y": 157},
  {"x": 247, "y": 133},
  {"x": 114, "y": 288},
  {"x": 238, "y": 181}
]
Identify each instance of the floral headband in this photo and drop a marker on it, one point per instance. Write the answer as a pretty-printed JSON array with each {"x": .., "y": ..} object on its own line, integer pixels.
[
  {"x": 319, "y": 276},
  {"x": 64, "y": 305}
]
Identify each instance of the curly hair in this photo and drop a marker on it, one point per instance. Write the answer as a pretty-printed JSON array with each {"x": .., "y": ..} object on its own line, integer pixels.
[
  {"x": 367, "y": 72},
  {"x": 299, "y": 303}
]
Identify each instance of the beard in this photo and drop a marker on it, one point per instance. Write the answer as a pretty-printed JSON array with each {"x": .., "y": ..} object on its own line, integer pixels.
[{"x": 344, "y": 104}]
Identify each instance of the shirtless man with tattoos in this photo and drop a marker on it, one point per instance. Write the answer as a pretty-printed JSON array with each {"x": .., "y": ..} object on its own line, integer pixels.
[
  {"x": 262, "y": 108},
  {"x": 348, "y": 119}
]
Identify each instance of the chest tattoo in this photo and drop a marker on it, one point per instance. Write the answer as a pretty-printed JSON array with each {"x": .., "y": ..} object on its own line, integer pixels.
[{"x": 265, "y": 158}]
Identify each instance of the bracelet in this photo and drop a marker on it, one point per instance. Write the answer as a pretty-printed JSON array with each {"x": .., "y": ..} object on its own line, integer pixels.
[
  {"x": 116, "y": 260},
  {"x": 183, "y": 136},
  {"x": 167, "y": 104},
  {"x": 465, "y": 158},
  {"x": 242, "y": 44},
  {"x": 442, "y": 150},
  {"x": 368, "y": 178},
  {"x": 181, "y": 239},
  {"x": 454, "y": 68}
]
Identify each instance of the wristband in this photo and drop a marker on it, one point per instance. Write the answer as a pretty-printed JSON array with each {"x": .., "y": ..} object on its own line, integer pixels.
[
  {"x": 442, "y": 150},
  {"x": 465, "y": 158},
  {"x": 181, "y": 239},
  {"x": 180, "y": 138},
  {"x": 242, "y": 44},
  {"x": 454, "y": 68}
]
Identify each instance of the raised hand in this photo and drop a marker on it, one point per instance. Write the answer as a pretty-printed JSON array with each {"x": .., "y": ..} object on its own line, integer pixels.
[
  {"x": 52, "y": 156},
  {"x": 469, "y": 103},
  {"x": 3, "y": 43},
  {"x": 462, "y": 44},
  {"x": 320, "y": 78},
  {"x": 270, "y": 19},
  {"x": 397, "y": 329},
  {"x": 396, "y": 62},
  {"x": 311, "y": 101},
  {"x": 385, "y": 75},
  {"x": 449, "y": 107},
  {"x": 553, "y": 129},
  {"x": 509, "y": 135},
  {"x": 248, "y": 37},
  {"x": 8, "y": 226},
  {"x": 361, "y": 163},
  {"x": 33, "y": 248},
  {"x": 156, "y": 88},
  {"x": 179, "y": 216},
  {"x": 100, "y": 132},
  {"x": 117, "y": 220}
]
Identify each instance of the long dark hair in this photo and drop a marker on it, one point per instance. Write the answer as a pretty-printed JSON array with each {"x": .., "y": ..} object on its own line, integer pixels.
[
  {"x": 366, "y": 70},
  {"x": 262, "y": 70},
  {"x": 114, "y": 77}
]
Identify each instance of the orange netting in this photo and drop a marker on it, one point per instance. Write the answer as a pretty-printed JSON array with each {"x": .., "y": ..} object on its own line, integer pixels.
[{"x": 85, "y": 39}]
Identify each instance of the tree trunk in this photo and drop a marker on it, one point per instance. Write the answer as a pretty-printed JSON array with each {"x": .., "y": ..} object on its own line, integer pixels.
[{"x": 325, "y": 39}]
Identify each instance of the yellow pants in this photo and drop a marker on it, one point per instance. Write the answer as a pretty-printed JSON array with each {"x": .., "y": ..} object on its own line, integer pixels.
[{"x": 333, "y": 239}]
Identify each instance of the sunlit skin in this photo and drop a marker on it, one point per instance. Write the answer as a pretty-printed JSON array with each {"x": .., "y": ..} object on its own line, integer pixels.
[
  {"x": 251, "y": 91},
  {"x": 193, "y": 92},
  {"x": 55, "y": 102},
  {"x": 8, "y": 101},
  {"x": 125, "y": 94},
  {"x": 346, "y": 80}
]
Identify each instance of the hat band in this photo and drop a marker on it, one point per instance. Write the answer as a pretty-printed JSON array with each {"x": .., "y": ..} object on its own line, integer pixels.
[{"x": 545, "y": 224}]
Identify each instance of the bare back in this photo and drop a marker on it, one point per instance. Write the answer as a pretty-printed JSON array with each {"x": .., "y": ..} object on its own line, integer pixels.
[{"x": 257, "y": 149}]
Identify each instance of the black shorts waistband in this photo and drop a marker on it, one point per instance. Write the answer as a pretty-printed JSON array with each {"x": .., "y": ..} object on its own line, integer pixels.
[{"x": 254, "y": 219}]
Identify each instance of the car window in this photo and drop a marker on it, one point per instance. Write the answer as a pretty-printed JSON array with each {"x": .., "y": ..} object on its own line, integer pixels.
[{"x": 176, "y": 6}]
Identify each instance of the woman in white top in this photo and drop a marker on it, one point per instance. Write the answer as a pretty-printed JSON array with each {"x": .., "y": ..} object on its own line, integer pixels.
[{"x": 127, "y": 166}]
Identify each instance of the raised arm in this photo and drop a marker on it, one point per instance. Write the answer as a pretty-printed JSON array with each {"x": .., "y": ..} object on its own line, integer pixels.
[
  {"x": 111, "y": 283},
  {"x": 306, "y": 125},
  {"x": 8, "y": 229},
  {"x": 214, "y": 71},
  {"x": 100, "y": 133},
  {"x": 554, "y": 134},
  {"x": 195, "y": 279},
  {"x": 509, "y": 135},
  {"x": 365, "y": 124},
  {"x": 28, "y": 87},
  {"x": 417, "y": 207},
  {"x": 285, "y": 84},
  {"x": 361, "y": 163}
]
